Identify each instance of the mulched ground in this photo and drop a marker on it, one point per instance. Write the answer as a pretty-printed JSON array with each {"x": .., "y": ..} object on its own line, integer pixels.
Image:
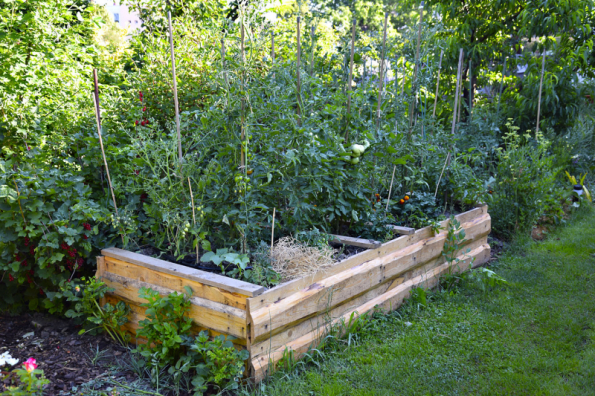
[{"x": 63, "y": 355}]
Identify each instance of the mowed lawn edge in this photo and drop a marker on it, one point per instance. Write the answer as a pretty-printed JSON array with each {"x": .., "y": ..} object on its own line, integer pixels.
[{"x": 533, "y": 337}]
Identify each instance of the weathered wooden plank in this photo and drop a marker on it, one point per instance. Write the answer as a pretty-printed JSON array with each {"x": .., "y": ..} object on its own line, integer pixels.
[
  {"x": 209, "y": 314},
  {"x": 283, "y": 290},
  {"x": 207, "y": 278},
  {"x": 359, "y": 242},
  {"x": 297, "y": 330},
  {"x": 137, "y": 314},
  {"x": 403, "y": 230},
  {"x": 330, "y": 291},
  {"x": 173, "y": 282},
  {"x": 392, "y": 299}
]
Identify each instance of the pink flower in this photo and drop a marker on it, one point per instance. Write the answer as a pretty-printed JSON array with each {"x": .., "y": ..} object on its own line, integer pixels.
[{"x": 30, "y": 365}]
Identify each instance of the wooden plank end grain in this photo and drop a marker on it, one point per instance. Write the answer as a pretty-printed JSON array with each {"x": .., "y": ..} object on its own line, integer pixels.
[{"x": 359, "y": 242}]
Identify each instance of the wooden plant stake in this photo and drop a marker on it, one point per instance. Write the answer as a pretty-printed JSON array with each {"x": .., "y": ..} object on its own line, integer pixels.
[
  {"x": 298, "y": 63},
  {"x": 390, "y": 190},
  {"x": 313, "y": 35},
  {"x": 441, "y": 173},
  {"x": 273, "y": 232},
  {"x": 273, "y": 46},
  {"x": 540, "y": 87},
  {"x": 415, "y": 71},
  {"x": 98, "y": 119},
  {"x": 243, "y": 129},
  {"x": 381, "y": 73},
  {"x": 470, "y": 91},
  {"x": 223, "y": 61},
  {"x": 193, "y": 213},
  {"x": 173, "y": 72},
  {"x": 501, "y": 86},
  {"x": 438, "y": 84},
  {"x": 350, "y": 79},
  {"x": 457, "y": 92},
  {"x": 273, "y": 50}
]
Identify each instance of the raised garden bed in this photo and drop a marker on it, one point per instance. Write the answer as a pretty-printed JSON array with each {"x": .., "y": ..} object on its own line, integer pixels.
[{"x": 296, "y": 314}]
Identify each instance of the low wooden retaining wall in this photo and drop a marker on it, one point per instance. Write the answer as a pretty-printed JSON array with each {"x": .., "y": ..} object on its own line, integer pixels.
[{"x": 295, "y": 315}]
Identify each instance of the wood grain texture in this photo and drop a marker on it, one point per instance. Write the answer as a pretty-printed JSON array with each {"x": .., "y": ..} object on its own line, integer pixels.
[
  {"x": 335, "y": 289},
  {"x": 204, "y": 313},
  {"x": 137, "y": 314},
  {"x": 288, "y": 288},
  {"x": 274, "y": 341},
  {"x": 207, "y": 278},
  {"x": 403, "y": 230},
  {"x": 173, "y": 282},
  {"x": 359, "y": 242},
  {"x": 390, "y": 300}
]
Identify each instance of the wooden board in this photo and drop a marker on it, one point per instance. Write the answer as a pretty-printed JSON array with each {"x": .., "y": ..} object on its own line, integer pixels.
[
  {"x": 325, "y": 293},
  {"x": 288, "y": 288},
  {"x": 403, "y": 230},
  {"x": 388, "y": 301},
  {"x": 204, "y": 313},
  {"x": 147, "y": 275},
  {"x": 206, "y": 278},
  {"x": 137, "y": 314},
  {"x": 359, "y": 242},
  {"x": 309, "y": 324}
]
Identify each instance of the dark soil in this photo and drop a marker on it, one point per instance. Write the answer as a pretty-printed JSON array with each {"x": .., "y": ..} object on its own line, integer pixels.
[{"x": 63, "y": 355}]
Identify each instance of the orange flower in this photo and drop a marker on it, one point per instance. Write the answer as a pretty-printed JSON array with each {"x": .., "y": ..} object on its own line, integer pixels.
[
  {"x": 406, "y": 197},
  {"x": 402, "y": 201}
]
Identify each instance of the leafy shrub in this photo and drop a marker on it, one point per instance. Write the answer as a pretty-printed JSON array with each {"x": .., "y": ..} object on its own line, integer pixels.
[
  {"x": 84, "y": 298},
  {"x": 47, "y": 224},
  {"x": 164, "y": 326},
  {"x": 216, "y": 361},
  {"x": 525, "y": 183},
  {"x": 170, "y": 346}
]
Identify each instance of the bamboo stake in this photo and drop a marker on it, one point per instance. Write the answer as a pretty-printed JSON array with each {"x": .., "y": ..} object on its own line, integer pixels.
[
  {"x": 193, "y": 213},
  {"x": 298, "y": 62},
  {"x": 350, "y": 80},
  {"x": 416, "y": 68},
  {"x": 540, "y": 87},
  {"x": 390, "y": 190},
  {"x": 273, "y": 231},
  {"x": 460, "y": 99},
  {"x": 273, "y": 46},
  {"x": 243, "y": 130},
  {"x": 441, "y": 173},
  {"x": 501, "y": 87},
  {"x": 173, "y": 71},
  {"x": 470, "y": 90},
  {"x": 98, "y": 119},
  {"x": 223, "y": 61},
  {"x": 313, "y": 34},
  {"x": 273, "y": 49},
  {"x": 381, "y": 72},
  {"x": 397, "y": 97},
  {"x": 438, "y": 84},
  {"x": 457, "y": 93}
]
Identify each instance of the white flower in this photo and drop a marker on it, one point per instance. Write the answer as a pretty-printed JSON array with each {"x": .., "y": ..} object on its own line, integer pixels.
[{"x": 5, "y": 358}]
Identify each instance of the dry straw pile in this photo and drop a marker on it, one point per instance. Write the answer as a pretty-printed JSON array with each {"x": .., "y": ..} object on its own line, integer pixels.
[{"x": 294, "y": 259}]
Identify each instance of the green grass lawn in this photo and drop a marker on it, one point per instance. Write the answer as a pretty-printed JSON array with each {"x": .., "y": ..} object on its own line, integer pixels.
[{"x": 534, "y": 337}]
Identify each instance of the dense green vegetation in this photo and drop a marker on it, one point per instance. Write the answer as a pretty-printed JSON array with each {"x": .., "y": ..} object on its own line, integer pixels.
[
  {"x": 261, "y": 133},
  {"x": 533, "y": 336}
]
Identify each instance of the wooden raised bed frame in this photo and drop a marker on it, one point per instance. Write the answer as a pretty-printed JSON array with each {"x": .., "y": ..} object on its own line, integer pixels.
[{"x": 296, "y": 314}]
